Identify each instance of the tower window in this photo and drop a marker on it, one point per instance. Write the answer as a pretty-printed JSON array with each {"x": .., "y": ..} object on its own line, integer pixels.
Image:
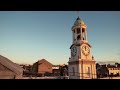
[
  {"x": 74, "y": 30},
  {"x": 78, "y": 37},
  {"x": 83, "y": 29},
  {"x": 78, "y": 30}
]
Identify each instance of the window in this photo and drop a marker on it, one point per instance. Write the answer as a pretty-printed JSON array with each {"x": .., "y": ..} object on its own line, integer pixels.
[
  {"x": 83, "y": 38},
  {"x": 74, "y": 30},
  {"x": 73, "y": 69},
  {"x": 78, "y": 30},
  {"x": 83, "y": 29},
  {"x": 78, "y": 37},
  {"x": 89, "y": 71}
]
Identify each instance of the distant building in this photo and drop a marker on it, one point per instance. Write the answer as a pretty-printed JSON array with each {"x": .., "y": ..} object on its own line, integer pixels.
[
  {"x": 43, "y": 67},
  {"x": 56, "y": 70},
  {"x": 114, "y": 69},
  {"x": 9, "y": 70},
  {"x": 108, "y": 70},
  {"x": 27, "y": 69},
  {"x": 60, "y": 70}
]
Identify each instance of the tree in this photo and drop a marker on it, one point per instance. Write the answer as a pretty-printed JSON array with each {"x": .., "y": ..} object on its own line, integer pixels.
[{"x": 63, "y": 70}]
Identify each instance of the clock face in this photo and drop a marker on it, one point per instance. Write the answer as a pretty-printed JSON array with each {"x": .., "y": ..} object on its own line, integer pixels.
[
  {"x": 73, "y": 51},
  {"x": 85, "y": 50}
]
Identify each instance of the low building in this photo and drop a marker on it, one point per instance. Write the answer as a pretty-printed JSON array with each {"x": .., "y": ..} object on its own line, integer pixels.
[
  {"x": 27, "y": 69},
  {"x": 108, "y": 70},
  {"x": 9, "y": 69},
  {"x": 114, "y": 69},
  {"x": 60, "y": 70},
  {"x": 56, "y": 70},
  {"x": 43, "y": 67}
]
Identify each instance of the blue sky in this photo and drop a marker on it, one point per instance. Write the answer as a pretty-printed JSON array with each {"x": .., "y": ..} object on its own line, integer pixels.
[{"x": 28, "y": 36}]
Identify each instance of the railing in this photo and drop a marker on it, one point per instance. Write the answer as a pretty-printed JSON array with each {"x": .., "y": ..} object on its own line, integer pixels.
[{"x": 83, "y": 75}]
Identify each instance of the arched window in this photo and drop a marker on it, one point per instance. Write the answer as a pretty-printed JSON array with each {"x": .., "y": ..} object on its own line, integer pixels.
[{"x": 78, "y": 37}]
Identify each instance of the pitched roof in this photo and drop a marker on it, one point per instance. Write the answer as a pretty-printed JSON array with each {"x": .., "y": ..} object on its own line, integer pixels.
[
  {"x": 11, "y": 65},
  {"x": 43, "y": 60}
]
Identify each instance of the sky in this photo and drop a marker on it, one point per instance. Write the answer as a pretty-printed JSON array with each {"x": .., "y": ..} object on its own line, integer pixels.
[{"x": 29, "y": 36}]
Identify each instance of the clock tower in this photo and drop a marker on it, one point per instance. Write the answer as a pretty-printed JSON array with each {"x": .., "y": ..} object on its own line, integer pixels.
[{"x": 81, "y": 64}]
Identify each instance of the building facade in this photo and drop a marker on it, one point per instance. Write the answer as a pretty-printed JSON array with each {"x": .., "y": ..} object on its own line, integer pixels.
[
  {"x": 81, "y": 64},
  {"x": 43, "y": 67},
  {"x": 56, "y": 70},
  {"x": 107, "y": 70}
]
